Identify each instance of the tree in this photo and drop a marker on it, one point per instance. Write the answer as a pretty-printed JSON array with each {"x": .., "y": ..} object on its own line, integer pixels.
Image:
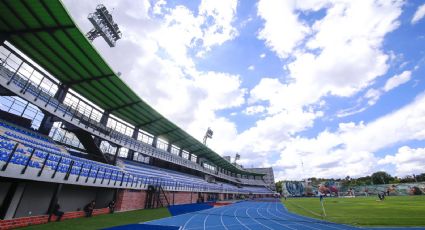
[
  {"x": 381, "y": 177},
  {"x": 279, "y": 187},
  {"x": 420, "y": 177}
]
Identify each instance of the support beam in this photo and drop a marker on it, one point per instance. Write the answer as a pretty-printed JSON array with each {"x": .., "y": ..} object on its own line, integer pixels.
[
  {"x": 103, "y": 121},
  {"x": 175, "y": 141},
  {"x": 168, "y": 132},
  {"x": 169, "y": 146},
  {"x": 48, "y": 119},
  {"x": 8, "y": 199},
  {"x": 149, "y": 122},
  {"x": 154, "y": 141},
  {"x": 104, "y": 118},
  {"x": 131, "y": 152},
  {"x": 123, "y": 106},
  {"x": 116, "y": 155},
  {"x": 12, "y": 204},
  {"x": 39, "y": 30},
  {"x": 54, "y": 200},
  {"x": 76, "y": 82}
]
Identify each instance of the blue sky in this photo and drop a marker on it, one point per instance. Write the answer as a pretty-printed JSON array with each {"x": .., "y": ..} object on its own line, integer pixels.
[{"x": 335, "y": 84}]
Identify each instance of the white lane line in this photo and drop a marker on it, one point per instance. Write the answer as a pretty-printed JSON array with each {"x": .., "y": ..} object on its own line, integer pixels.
[
  {"x": 184, "y": 226},
  {"x": 221, "y": 219},
  {"x": 330, "y": 225},
  {"x": 207, "y": 214},
  {"x": 295, "y": 217},
  {"x": 272, "y": 219},
  {"x": 234, "y": 213},
  {"x": 246, "y": 211}
]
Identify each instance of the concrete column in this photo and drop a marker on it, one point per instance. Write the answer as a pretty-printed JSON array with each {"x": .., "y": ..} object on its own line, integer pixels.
[
  {"x": 116, "y": 155},
  {"x": 154, "y": 141},
  {"x": 169, "y": 147},
  {"x": 135, "y": 135},
  {"x": 14, "y": 201},
  {"x": 104, "y": 118},
  {"x": 103, "y": 121},
  {"x": 47, "y": 122},
  {"x": 54, "y": 199}
]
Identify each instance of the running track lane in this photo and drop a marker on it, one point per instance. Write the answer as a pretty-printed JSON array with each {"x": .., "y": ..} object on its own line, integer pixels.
[{"x": 251, "y": 216}]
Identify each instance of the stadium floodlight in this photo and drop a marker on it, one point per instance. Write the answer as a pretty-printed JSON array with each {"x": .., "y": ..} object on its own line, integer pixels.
[
  {"x": 104, "y": 26},
  {"x": 208, "y": 134},
  {"x": 237, "y": 157}
]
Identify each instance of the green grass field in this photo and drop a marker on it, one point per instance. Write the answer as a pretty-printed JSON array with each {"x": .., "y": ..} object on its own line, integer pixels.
[
  {"x": 395, "y": 211},
  {"x": 104, "y": 221}
]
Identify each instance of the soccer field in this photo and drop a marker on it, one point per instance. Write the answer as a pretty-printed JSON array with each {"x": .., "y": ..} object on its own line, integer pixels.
[{"x": 364, "y": 211}]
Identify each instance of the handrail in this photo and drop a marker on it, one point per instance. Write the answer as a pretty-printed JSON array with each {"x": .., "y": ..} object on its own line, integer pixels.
[
  {"x": 118, "y": 173},
  {"x": 72, "y": 111}
]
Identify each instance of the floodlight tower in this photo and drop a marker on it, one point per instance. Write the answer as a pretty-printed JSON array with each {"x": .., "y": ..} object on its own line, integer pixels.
[
  {"x": 104, "y": 26},
  {"x": 237, "y": 157},
  {"x": 208, "y": 134}
]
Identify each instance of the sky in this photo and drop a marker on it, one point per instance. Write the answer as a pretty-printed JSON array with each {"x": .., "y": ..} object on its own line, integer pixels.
[{"x": 324, "y": 88}]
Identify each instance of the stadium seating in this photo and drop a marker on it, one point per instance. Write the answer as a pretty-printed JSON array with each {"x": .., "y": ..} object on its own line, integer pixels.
[
  {"x": 75, "y": 114},
  {"x": 24, "y": 149}
]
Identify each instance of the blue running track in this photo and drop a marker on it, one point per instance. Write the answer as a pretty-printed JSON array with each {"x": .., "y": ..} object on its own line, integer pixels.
[{"x": 250, "y": 216}]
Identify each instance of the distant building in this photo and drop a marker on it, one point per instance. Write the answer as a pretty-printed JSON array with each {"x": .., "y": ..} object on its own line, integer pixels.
[{"x": 268, "y": 178}]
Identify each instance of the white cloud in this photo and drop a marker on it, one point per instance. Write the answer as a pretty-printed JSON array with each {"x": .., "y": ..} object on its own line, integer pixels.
[
  {"x": 251, "y": 67},
  {"x": 373, "y": 95},
  {"x": 407, "y": 161},
  {"x": 419, "y": 14},
  {"x": 218, "y": 17},
  {"x": 343, "y": 53},
  {"x": 155, "y": 56},
  {"x": 282, "y": 30},
  {"x": 397, "y": 80},
  {"x": 350, "y": 149}
]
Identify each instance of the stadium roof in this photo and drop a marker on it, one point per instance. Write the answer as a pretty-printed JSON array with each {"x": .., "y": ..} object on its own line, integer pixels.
[{"x": 45, "y": 32}]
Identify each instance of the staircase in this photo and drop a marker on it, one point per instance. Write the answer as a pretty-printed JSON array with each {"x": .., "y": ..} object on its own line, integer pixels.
[{"x": 155, "y": 197}]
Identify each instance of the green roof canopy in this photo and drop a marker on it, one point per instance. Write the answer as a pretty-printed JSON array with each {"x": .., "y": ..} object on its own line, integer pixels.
[{"x": 45, "y": 32}]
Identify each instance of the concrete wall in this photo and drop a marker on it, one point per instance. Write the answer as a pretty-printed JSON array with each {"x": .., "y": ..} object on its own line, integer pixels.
[
  {"x": 35, "y": 199},
  {"x": 74, "y": 197},
  {"x": 4, "y": 187},
  {"x": 104, "y": 196}
]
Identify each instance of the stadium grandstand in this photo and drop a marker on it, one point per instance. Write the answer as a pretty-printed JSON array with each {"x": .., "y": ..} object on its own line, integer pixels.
[{"x": 72, "y": 131}]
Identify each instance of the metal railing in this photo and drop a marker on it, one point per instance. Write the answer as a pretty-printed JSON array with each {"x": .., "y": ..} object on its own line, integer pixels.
[{"x": 80, "y": 111}]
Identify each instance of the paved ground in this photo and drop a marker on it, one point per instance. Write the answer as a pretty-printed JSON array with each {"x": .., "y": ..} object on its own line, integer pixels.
[{"x": 252, "y": 216}]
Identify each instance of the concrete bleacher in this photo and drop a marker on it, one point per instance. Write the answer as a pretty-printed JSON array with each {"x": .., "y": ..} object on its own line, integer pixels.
[
  {"x": 29, "y": 137},
  {"x": 74, "y": 115},
  {"x": 27, "y": 154}
]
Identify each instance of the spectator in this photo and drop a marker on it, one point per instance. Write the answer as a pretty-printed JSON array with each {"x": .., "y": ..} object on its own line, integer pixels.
[
  {"x": 57, "y": 212},
  {"x": 111, "y": 206},
  {"x": 88, "y": 209}
]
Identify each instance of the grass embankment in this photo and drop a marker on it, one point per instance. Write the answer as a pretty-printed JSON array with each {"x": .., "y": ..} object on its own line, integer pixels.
[
  {"x": 364, "y": 211},
  {"x": 104, "y": 221}
]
